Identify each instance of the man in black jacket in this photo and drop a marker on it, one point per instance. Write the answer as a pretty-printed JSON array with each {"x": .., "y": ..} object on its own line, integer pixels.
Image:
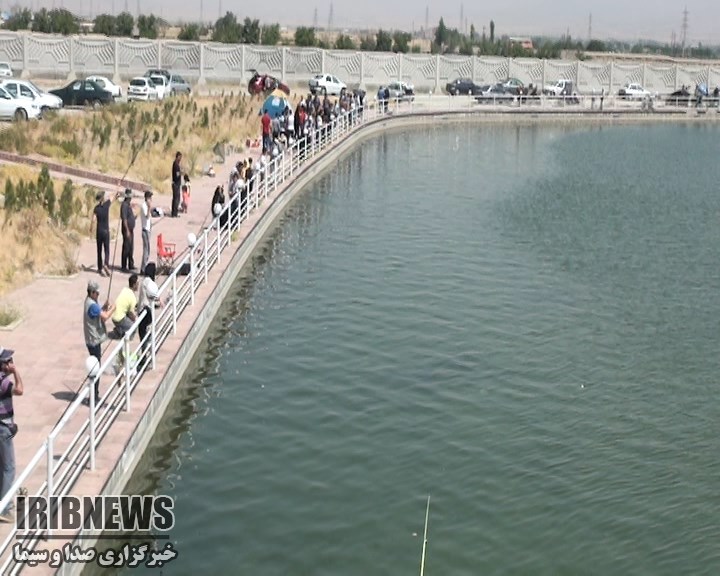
[
  {"x": 127, "y": 217},
  {"x": 176, "y": 183}
]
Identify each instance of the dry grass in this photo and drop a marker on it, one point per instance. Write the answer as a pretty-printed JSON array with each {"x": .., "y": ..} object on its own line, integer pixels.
[
  {"x": 106, "y": 140},
  {"x": 8, "y": 315}
]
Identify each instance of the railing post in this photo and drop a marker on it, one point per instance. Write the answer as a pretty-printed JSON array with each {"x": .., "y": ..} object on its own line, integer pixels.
[
  {"x": 174, "y": 298},
  {"x": 91, "y": 429},
  {"x": 50, "y": 471},
  {"x": 205, "y": 254},
  {"x": 153, "y": 343},
  {"x": 126, "y": 353},
  {"x": 218, "y": 239},
  {"x": 192, "y": 275}
]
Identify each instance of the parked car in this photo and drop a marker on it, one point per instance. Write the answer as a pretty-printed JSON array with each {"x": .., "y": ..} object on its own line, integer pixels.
[
  {"x": 496, "y": 94},
  {"x": 633, "y": 91},
  {"x": 462, "y": 86},
  {"x": 107, "y": 84},
  {"x": 83, "y": 92},
  {"x": 18, "y": 109},
  {"x": 142, "y": 88},
  {"x": 26, "y": 89},
  {"x": 178, "y": 85},
  {"x": 401, "y": 91},
  {"x": 326, "y": 84},
  {"x": 514, "y": 86},
  {"x": 161, "y": 84},
  {"x": 157, "y": 72},
  {"x": 5, "y": 70}
]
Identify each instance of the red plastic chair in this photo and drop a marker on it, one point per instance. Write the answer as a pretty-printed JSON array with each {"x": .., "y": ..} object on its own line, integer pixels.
[{"x": 165, "y": 255}]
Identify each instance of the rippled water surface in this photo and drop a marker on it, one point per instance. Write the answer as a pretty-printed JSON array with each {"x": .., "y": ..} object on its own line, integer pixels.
[{"x": 521, "y": 322}]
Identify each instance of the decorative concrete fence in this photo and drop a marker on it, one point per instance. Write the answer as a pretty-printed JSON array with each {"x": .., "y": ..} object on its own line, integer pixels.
[{"x": 121, "y": 58}]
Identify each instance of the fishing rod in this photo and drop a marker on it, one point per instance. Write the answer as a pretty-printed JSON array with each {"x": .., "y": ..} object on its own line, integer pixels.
[
  {"x": 133, "y": 158},
  {"x": 424, "y": 548}
]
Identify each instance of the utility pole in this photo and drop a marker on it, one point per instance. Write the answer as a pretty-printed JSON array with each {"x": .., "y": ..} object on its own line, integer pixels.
[
  {"x": 315, "y": 18},
  {"x": 202, "y": 15},
  {"x": 427, "y": 20},
  {"x": 684, "y": 29},
  {"x": 462, "y": 18},
  {"x": 590, "y": 27},
  {"x": 330, "y": 18}
]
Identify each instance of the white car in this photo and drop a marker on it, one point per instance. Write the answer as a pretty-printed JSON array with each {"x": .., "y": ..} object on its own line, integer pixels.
[
  {"x": 161, "y": 84},
  {"x": 141, "y": 88},
  {"x": 17, "y": 108},
  {"x": 26, "y": 89},
  {"x": 5, "y": 70},
  {"x": 107, "y": 84},
  {"x": 325, "y": 84},
  {"x": 633, "y": 91}
]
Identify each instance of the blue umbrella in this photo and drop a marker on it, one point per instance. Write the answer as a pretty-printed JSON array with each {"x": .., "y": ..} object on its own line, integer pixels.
[{"x": 275, "y": 105}]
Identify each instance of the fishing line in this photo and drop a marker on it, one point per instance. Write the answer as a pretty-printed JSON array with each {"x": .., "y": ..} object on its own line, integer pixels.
[{"x": 133, "y": 158}]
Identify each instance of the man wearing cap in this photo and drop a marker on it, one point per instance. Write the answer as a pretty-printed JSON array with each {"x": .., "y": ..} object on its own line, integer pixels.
[
  {"x": 11, "y": 384},
  {"x": 127, "y": 217},
  {"x": 101, "y": 217},
  {"x": 146, "y": 223},
  {"x": 94, "y": 318}
]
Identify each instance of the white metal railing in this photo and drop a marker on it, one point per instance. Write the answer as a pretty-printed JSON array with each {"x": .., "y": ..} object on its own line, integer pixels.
[{"x": 73, "y": 442}]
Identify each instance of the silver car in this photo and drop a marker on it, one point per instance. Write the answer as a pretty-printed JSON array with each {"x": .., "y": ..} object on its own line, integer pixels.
[{"x": 177, "y": 85}]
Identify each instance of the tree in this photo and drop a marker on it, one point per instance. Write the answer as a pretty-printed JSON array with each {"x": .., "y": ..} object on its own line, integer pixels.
[
  {"x": 466, "y": 47},
  {"x": 124, "y": 24},
  {"x": 344, "y": 42},
  {"x": 227, "y": 29},
  {"x": 596, "y": 46},
  {"x": 19, "y": 20},
  {"x": 41, "y": 21},
  {"x": 10, "y": 198},
  {"x": 270, "y": 35},
  {"x": 190, "y": 32},
  {"x": 401, "y": 42},
  {"x": 104, "y": 24},
  {"x": 383, "y": 41},
  {"x": 63, "y": 22},
  {"x": 473, "y": 33},
  {"x": 305, "y": 36},
  {"x": 492, "y": 31},
  {"x": 367, "y": 43},
  {"x": 66, "y": 203},
  {"x": 441, "y": 34},
  {"x": 148, "y": 26},
  {"x": 250, "y": 33}
]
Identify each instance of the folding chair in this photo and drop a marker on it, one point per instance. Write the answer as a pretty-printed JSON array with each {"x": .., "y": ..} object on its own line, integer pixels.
[{"x": 165, "y": 256}]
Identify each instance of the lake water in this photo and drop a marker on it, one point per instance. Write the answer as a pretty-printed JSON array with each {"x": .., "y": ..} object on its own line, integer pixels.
[{"x": 521, "y": 322}]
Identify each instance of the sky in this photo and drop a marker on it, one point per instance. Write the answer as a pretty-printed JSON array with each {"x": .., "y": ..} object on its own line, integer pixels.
[{"x": 617, "y": 19}]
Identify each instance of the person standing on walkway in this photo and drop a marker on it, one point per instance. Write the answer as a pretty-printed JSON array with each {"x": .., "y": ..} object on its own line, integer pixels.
[
  {"x": 101, "y": 218},
  {"x": 127, "y": 217},
  {"x": 11, "y": 384},
  {"x": 266, "y": 123},
  {"x": 176, "y": 183},
  {"x": 148, "y": 300},
  {"x": 146, "y": 223},
  {"x": 94, "y": 318}
]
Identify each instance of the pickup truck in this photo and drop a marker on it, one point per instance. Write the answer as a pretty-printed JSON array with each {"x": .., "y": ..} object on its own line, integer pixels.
[
  {"x": 325, "y": 84},
  {"x": 560, "y": 88}
]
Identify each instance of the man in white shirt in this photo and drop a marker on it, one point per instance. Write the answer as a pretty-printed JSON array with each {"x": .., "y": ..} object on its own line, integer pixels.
[{"x": 146, "y": 222}]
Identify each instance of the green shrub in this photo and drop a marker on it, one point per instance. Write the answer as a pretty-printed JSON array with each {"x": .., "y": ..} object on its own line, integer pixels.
[
  {"x": 66, "y": 203},
  {"x": 10, "y": 197}
]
